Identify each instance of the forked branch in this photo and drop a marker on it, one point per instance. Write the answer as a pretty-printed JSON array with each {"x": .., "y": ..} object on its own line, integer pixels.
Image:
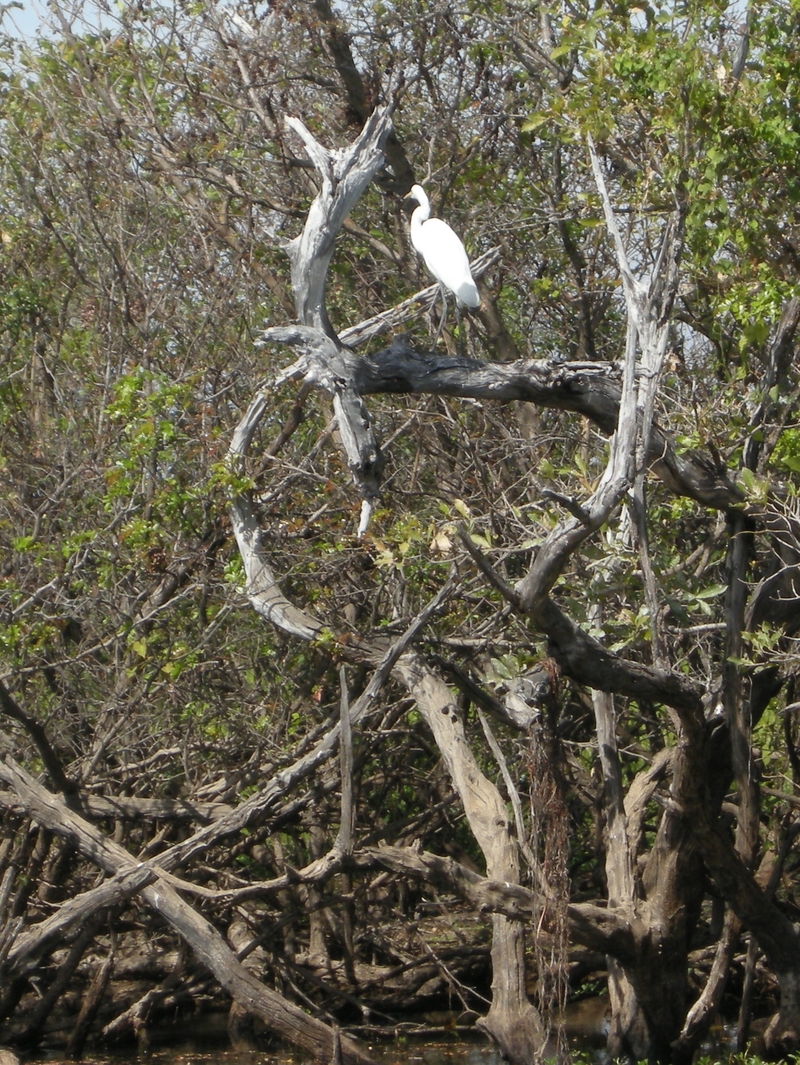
[{"x": 344, "y": 174}]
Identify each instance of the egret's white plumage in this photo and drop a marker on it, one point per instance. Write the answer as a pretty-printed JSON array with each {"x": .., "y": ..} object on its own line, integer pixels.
[{"x": 442, "y": 250}]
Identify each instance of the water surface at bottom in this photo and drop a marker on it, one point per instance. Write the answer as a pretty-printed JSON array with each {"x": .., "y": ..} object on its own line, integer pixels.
[{"x": 204, "y": 1041}]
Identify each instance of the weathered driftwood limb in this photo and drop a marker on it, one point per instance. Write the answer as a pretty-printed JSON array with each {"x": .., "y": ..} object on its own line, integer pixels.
[
  {"x": 448, "y": 876},
  {"x": 344, "y": 175},
  {"x": 318, "y": 871},
  {"x": 588, "y": 388},
  {"x": 285, "y": 1019},
  {"x": 31, "y": 945},
  {"x": 512, "y": 1020},
  {"x": 134, "y": 808}
]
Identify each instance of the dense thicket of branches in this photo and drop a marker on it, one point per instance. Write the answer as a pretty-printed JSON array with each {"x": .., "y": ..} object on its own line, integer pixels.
[{"x": 552, "y": 687}]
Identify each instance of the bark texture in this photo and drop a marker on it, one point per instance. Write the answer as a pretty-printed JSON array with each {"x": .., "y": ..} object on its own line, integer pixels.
[
  {"x": 512, "y": 1020},
  {"x": 285, "y": 1019}
]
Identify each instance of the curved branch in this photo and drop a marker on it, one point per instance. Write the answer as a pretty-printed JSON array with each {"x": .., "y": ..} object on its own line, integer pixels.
[
  {"x": 262, "y": 587},
  {"x": 584, "y": 659}
]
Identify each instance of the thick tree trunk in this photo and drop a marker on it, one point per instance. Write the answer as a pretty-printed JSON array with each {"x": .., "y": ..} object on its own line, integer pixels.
[
  {"x": 649, "y": 993},
  {"x": 627, "y": 1034},
  {"x": 673, "y": 885},
  {"x": 782, "y": 1037},
  {"x": 512, "y": 1021}
]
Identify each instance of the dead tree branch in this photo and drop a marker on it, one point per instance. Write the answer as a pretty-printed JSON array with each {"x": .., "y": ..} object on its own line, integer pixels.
[
  {"x": 285, "y": 1019},
  {"x": 344, "y": 175}
]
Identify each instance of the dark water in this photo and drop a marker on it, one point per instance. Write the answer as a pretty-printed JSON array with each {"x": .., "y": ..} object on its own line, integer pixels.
[
  {"x": 195, "y": 1050},
  {"x": 192, "y": 1052},
  {"x": 204, "y": 1041}
]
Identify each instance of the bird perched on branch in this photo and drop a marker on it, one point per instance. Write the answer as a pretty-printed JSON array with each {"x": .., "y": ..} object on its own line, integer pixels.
[{"x": 444, "y": 254}]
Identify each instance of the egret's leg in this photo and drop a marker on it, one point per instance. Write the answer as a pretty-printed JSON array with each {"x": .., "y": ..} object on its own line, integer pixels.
[
  {"x": 444, "y": 315},
  {"x": 459, "y": 335}
]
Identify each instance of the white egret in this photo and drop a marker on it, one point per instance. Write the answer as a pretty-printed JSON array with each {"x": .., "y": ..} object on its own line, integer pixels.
[{"x": 444, "y": 254}]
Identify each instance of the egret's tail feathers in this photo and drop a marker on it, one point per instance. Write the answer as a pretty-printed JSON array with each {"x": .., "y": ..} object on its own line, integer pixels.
[{"x": 467, "y": 294}]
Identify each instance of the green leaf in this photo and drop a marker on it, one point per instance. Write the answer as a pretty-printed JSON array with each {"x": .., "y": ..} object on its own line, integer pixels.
[
  {"x": 712, "y": 591},
  {"x": 534, "y": 121}
]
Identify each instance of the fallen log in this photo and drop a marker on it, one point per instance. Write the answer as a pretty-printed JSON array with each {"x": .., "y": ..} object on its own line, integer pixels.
[
  {"x": 132, "y": 808},
  {"x": 283, "y": 1018},
  {"x": 31, "y": 945}
]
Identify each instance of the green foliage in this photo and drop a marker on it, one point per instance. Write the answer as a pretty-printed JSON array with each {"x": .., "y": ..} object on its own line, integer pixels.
[
  {"x": 787, "y": 450},
  {"x": 141, "y": 311}
]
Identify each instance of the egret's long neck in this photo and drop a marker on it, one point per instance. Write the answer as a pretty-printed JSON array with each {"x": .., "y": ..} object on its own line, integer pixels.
[{"x": 419, "y": 215}]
